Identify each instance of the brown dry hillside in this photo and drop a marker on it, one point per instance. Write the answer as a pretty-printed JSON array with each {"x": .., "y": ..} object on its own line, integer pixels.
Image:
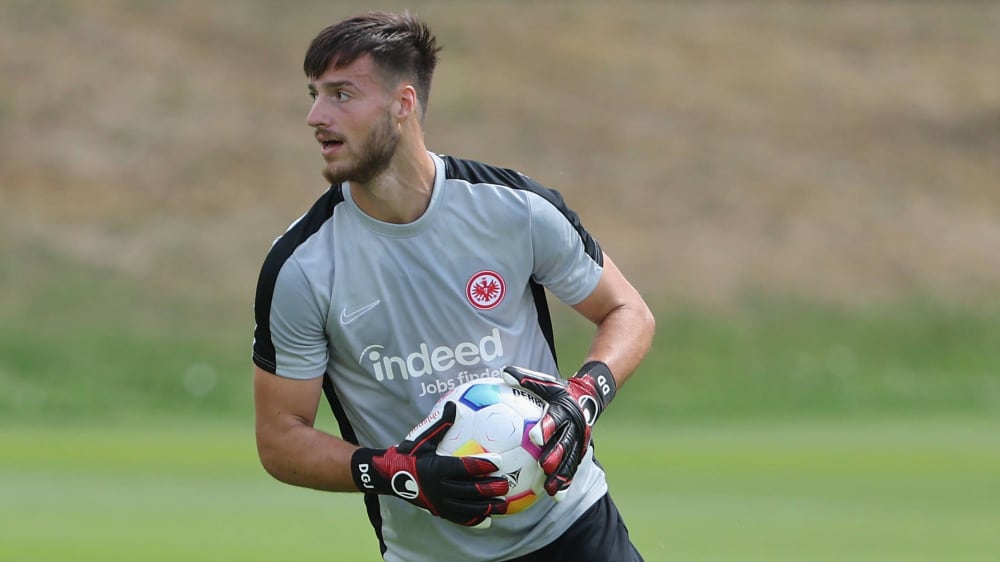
[{"x": 847, "y": 150}]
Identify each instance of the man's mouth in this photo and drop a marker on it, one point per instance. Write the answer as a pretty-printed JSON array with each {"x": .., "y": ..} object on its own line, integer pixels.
[{"x": 330, "y": 145}]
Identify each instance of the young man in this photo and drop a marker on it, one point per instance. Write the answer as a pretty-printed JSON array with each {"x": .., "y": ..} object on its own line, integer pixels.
[{"x": 413, "y": 273}]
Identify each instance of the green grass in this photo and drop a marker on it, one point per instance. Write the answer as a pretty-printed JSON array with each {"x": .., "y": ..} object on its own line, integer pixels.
[
  {"x": 97, "y": 345},
  {"x": 881, "y": 489},
  {"x": 782, "y": 431},
  {"x": 786, "y": 356},
  {"x": 886, "y": 490},
  {"x": 167, "y": 491}
]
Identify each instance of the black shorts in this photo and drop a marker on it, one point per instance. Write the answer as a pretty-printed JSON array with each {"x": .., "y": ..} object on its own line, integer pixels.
[{"x": 599, "y": 535}]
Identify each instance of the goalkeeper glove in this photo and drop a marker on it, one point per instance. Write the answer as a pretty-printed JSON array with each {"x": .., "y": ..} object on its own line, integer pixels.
[
  {"x": 454, "y": 488},
  {"x": 564, "y": 430}
]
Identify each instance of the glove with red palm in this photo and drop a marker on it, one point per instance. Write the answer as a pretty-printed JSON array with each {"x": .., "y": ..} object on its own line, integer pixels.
[
  {"x": 454, "y": 488},
  {"x": 574, "y": 404}
]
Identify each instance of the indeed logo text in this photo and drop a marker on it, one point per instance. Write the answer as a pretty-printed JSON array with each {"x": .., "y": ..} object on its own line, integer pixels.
[{"x": 425, "y": 361}]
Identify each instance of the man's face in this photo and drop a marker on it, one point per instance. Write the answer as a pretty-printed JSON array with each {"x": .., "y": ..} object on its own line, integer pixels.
[{"x": 353, "y": 123}]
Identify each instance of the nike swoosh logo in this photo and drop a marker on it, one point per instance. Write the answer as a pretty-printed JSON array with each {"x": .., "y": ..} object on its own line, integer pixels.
[{"x": 348, "y": 317}]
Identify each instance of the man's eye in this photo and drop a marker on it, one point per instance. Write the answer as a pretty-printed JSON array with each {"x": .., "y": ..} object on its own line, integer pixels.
[
  {"x": 312, "y": 95},
  {"x": 342, "y": 96}
]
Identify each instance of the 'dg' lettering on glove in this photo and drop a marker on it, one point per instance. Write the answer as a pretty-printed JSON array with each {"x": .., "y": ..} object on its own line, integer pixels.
[
  {"x": 574, "y": 404},
  {"x": 455, "y": 488}
]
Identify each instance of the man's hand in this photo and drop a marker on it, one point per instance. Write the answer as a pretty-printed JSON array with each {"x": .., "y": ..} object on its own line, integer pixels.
[
  {"x": 574, "y": 405},
  {"x": 454, "y": 488}
]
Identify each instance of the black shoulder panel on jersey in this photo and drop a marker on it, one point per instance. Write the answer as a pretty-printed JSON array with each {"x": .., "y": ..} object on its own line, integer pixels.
[
  {"x": 283, "y": 248},
  {"x": 477, "y": 172}
]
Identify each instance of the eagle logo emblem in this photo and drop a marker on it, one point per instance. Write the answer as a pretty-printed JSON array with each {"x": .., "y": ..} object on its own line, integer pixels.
[{"x": 485, "y": 289}]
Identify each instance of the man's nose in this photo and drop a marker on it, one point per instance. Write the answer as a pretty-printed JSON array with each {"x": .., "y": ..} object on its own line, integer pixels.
[{"x": 317, "y": 117}]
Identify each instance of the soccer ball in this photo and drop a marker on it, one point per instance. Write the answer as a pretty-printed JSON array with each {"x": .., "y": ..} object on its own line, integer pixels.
[{"x": 494, "y": 417}]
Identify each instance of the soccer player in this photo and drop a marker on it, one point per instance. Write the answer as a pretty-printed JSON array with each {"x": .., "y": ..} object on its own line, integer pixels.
[{"x": 413, "y": 273}]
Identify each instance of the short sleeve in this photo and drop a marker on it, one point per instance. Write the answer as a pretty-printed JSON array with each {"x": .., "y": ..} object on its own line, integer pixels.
[
  {"x": 562, "y": 263},
  {"x": 290, "y": 339}
]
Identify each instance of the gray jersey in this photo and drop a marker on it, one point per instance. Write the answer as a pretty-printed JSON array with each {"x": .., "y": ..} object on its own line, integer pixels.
[{"x": 395, "y": 315}]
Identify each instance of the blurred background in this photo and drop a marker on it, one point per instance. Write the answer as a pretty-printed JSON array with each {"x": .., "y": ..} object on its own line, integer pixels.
[{"x": 808, "y": 193}]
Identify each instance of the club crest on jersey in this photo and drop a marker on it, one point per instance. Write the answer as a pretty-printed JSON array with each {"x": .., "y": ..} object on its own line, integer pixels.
[{"x": 485, "y": 289}]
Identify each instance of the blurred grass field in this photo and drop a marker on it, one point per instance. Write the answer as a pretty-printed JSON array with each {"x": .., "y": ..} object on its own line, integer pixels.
[
  {"x": 98, "y": 344},
  {"x": 889, "y": 490},
  {"x": 779, "y": 433}
]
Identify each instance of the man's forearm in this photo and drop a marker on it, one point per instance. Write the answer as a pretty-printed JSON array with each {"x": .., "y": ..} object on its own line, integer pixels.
[
  {"x": 301, "y": 455},
  {"x": 623, "y": 338}
]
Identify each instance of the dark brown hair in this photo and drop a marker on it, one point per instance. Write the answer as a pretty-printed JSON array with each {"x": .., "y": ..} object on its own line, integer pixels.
[{"x": 401, "y": 46}]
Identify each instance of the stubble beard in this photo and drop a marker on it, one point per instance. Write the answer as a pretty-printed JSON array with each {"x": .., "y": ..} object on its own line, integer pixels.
[{"x": 376, "y": 154}]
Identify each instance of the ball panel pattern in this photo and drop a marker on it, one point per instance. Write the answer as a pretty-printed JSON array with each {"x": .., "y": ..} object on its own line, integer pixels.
[{"x": 494, "y": 417}]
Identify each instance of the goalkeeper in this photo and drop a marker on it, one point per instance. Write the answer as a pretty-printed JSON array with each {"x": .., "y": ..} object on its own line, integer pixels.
[{"x": 412, "y": 273}]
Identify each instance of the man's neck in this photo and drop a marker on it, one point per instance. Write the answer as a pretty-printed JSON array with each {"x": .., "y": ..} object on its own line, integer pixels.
[{"x": 401, "y": 193}]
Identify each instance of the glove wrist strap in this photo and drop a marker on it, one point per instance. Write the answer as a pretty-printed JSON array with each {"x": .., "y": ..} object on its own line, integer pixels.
[
  {"x": 366, "y": 476},
  {"x": 603, "y": 382}
]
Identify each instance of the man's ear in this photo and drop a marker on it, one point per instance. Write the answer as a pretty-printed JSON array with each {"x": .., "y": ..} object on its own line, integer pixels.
[{"x": 406, "y": 104}]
